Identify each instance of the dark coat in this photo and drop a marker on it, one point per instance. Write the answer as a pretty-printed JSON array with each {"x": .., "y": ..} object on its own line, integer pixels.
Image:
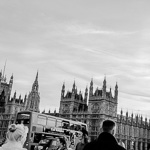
[
  {"x": 105, "y": 141},
  {"x": 80, "y": 146}
]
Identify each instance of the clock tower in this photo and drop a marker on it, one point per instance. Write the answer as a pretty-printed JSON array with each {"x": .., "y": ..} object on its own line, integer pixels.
[{"x": 102, "y": 105}]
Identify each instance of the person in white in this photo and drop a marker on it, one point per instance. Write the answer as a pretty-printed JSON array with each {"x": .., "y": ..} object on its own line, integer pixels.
[{"x": 15, "y": 137}]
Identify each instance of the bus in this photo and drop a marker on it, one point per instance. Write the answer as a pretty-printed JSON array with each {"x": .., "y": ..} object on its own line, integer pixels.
[{"x": 42, "y": 125}]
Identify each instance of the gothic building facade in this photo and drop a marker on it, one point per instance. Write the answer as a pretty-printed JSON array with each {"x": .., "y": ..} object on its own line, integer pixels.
[
  {"x": 100, "y": 105},
  {"x": 9, "y": 106}
]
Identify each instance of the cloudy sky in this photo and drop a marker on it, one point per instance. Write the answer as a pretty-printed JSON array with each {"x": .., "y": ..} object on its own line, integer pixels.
[{"x": 68, "y": 40}]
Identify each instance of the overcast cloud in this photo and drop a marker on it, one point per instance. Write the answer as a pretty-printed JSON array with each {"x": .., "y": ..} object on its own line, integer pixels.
[{"x": 78, "y": 40}]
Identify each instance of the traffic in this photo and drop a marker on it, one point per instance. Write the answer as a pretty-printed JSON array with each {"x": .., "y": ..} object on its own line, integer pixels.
[{"x": 45, "y": 130}]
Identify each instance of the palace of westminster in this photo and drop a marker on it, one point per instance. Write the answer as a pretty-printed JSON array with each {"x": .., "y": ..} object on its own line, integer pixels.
[
  {"x": 91, "y": 108},
  {"x": 9, "y": 106}
]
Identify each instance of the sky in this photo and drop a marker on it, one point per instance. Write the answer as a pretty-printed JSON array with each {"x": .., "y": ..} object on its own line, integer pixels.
[{"x": 66, "y": 40}]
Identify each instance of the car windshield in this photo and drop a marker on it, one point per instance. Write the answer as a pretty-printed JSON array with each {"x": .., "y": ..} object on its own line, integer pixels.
[{"x": 47, "y": 144}]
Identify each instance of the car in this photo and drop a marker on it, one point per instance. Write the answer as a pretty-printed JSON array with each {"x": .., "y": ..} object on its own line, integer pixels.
[{"x": 47, "y": 144}]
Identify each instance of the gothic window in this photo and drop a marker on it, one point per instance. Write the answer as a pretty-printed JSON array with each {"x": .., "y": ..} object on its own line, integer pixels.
[
  {"x": 32, "y": 104},
  {"x": 124, "y": 130},
  {"x": 16, "y": 110}
]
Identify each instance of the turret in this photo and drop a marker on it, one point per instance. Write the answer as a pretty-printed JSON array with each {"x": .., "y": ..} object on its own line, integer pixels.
[
  {"x": 132, "y": 118},
  {"x": 96, "y": 91},
  {"x": 76, "y": 90},
  {"x": 141, "y": 120},
  {"x": 14, "y": 95},
  {"x": 104, "y": 88},
  {"x": 73, "y": 88},
  {"x": 146, "y": 122},
  {"x": 86, "y": 95},
  {"x": 132, "y": 115},
  {"x": 10, "y": 84},
  {"x": 127, "y": 116},
  {"x": 91, "y": 88},
  {"x": 5, "y": 78},
  {"x": 49, "y": 111},
  {"x": 110, "y": 93},
  {"x": 11, "y": 80},
  {"x": 25, "y": 100},
  {"x": 63, "y": 90},
  {"x": 116, "y": 92},
  {"x": 137, "y": 120},
  {"x": 20, "y": 97},
  {"x": 121, "y": 112},
  {"x": 80, "y": 95},
  {"x": 55, "y": 111}
]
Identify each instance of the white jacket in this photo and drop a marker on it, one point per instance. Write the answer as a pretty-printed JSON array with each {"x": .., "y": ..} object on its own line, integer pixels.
[{"x": 12, "y": 146}]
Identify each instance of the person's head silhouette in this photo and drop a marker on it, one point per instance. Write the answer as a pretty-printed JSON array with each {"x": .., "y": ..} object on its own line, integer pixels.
[{"x": 109, "y": 126}]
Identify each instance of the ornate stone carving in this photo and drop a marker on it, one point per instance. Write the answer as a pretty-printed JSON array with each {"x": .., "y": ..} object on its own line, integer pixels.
[
  {"x": 66, "y": 109},
  {"x": 95, "y": 108}
]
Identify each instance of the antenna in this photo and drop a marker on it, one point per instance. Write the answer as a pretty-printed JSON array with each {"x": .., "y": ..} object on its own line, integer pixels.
[{"x": 4, "y": 68}]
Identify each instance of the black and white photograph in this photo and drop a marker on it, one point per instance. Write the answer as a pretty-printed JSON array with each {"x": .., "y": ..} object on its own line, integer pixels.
[{"x": 75, "y": 74}]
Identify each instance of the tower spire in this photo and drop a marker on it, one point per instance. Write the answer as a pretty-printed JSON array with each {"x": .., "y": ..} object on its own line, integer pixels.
[
  {"x": 63, "y": 90},
  {"x": 104, "y": 83},
  {"x": 11, "y": 79},
  {"x": 73, "y": 87},
  {"x": 86, "y": 95},
  {"x": 4, "y": 69},
  {"x": 35, "y": 85},
  {"x": 116, "y": 92},
  {"x": 91, "y": 88},
  {"x": 36, "y": 79},
  {"x": 104, "y": 87}
]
